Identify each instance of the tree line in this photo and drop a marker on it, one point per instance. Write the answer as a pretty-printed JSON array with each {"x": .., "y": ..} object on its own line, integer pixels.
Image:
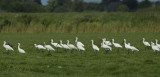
[{"x": 73, "y": 5}]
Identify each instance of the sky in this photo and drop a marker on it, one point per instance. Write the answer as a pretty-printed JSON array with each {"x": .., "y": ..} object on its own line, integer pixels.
[{"x": 44, "y": 2}]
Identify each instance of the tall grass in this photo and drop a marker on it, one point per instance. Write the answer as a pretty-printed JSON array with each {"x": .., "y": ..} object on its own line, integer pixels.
[{"x": 79, "y": 22}]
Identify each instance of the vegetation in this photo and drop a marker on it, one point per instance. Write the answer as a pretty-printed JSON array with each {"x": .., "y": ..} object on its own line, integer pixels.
[
  {"x": 73, "y": 5},
  {"x": 89, "y": 64},
  {"x": 79, "y": 22}
]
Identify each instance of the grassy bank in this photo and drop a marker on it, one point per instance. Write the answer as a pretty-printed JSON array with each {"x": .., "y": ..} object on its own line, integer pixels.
[
  {"x": 63, "y": 64},
  {"x": 79, "y": 22}
]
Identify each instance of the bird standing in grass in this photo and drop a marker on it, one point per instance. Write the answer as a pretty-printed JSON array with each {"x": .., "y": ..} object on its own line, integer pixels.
[
  {"x": 19, "y": 49},
  {"x": 116, "y": 45},
  {"x": 133, "y": 48},
  {"x": 80, "y": 45},
  {"x": 71, "y": 46},
  {"x": 154, "y": 47},
  {"x": 65, "y": 46},
  {"x": 106, "y": 47},
  {"x": 106, "y": 42},
  {"x": 7, "y": 47},
  {"x": 39, "y": 47},
  {"x": 55, "y": 45},
  {"x": 127, "y": 46},
  {"x": 146, "y": 44},
  {"x": 95, "y": 47},
  {"x": 49, "y": 48}
]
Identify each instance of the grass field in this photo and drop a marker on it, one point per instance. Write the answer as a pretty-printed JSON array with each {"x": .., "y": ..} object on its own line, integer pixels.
[{"x": 63, "y": 64}]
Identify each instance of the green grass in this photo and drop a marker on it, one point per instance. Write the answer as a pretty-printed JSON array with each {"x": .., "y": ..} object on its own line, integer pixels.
[
  {"x": 33, "y": 64},
  {"x": 97, "y": 22}
]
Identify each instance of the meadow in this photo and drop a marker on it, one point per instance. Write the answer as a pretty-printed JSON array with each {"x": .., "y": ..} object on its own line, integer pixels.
[{"x": 144, "y": 63}]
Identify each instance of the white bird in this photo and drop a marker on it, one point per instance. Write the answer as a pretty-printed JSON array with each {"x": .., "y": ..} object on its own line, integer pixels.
[
  {"x": 106, "y": 42},
  {"x": 106, "y": 47},
  {"x": 65, "y": 46},
  {"x": 133, "y": 48},
  {"x": 95, "y": 47},
  {"x": 127, "y": 46},
  {"x": 7, "y": 47},
  {"x": 71, "y": 46},
  {"x": 158, "y": 45},
  {"x": 154, "y": 47},
  {"x": 116, "y": 44},
  {"x": 48, "y": 47},
  {"x": 146, "y": 43},
  {"x": 19, "y": 49},
  {"x": 55, "y": 44},
  {"x": 78, "y": 42},
  {"x": 39, "y": 47}
]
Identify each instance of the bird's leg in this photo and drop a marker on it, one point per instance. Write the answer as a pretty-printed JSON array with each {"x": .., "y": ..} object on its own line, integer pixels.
[
  {"x": 71, "y": 51},
  {"x": 106, "y": 51},
  {"x": 128, "y": 51},
  {"x": 7, "y": 52},
  {"x": 133, "y": 52},
  {"x": 118, "y": 50},
  {"x": 57, "y": 49}
]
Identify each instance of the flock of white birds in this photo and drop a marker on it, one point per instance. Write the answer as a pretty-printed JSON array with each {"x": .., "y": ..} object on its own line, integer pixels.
[{"x": 106, "y": 45}]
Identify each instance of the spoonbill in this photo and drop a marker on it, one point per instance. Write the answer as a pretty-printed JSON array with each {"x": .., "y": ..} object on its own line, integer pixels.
[
  {"x": 95, "y": 47},
  {"x": 80, "y": 45},
  {"x": 55, "y": 45},
  {"x": 65, "y": 46},
  {"x": 154, "y": 47},
  {"x": 127, "y": 46},
  {"x": 78, "y": 42},
  {"x": 7, "y": 47},
  {"x": 146, "y": 44},
  {"x": 116, "y": 45},
  {"x": 106, "y": 47},
  {"x": 48, "y": 47},
  {"x": 19, "y": 49},
  {"x": 133, "y": 48},
  {"x": 39, "y": 47},
  {"x": 71, "y": 46},
  {"x": 106, "y": 42}
]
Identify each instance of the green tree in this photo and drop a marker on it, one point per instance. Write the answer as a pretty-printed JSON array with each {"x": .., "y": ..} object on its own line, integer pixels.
[
  {"x": 77, "y": 5},
  {"x": 123, "y": 8},
  {"x": 145, "y": 4},
  {"x": 132, "y": 4},
  {"x": 52, "y": 4}
]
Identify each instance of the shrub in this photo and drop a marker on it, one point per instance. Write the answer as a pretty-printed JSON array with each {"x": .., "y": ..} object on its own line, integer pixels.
[
  {"x": 25, "y": 19},
  {"x": 123, "y": 8}
]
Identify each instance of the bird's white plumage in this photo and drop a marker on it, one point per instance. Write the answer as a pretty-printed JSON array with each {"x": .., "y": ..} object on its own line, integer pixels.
[
  {"x": 116, "y": 44},
  {"x": 39, "y": 46},
  {"x": 154, "y": 47},
  {"x": 48, "y": 47},
  {"x": 105, "y": 46},
  {"x": 55, "y": 44},
  {"x": 106, "y": 42},
  {"x": 133, "y": 48},
  {"x": 19, "y": 49},
  {"x": 71, "y": 46},
  {"x": 7, "y": 47},
  {"x": 78, "y": 42},
  {"x": 145, "y": 42},
  {"x": 95, "y": 47},
  {"x": 65, "y": 46},
  {"x": 127, "y": 46}
]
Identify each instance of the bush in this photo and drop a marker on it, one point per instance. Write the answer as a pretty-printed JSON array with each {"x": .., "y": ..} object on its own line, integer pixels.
[
  {"x": 123, "y": 8},
  {"x": 25, "y": 19},
  {"x": 45, "y": 23}
]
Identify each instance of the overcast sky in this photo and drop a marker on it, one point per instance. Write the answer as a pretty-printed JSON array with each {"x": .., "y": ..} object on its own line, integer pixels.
[{"x": 44, "y": 2}]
